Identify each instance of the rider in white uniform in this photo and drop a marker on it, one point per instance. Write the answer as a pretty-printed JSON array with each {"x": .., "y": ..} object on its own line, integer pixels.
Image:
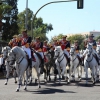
[
  {"x": 26, "y": 40},
  {"x": 94, "y": 44}
]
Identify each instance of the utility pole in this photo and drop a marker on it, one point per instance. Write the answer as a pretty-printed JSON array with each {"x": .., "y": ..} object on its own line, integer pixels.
[
  {"x": 79, "y": 6},
  {"x": 26, "y": 17}
]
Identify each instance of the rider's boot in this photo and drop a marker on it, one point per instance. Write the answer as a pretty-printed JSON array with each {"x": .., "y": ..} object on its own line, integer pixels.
[
  {"x": 42, "y": 66},
  {"x": 80, "y": 60},
  {"x": 30, "y": 63},
  {"x": 97, "y": 59},
  {"x": 69, "y": 62},
  {"x": 55, "y": 70}
]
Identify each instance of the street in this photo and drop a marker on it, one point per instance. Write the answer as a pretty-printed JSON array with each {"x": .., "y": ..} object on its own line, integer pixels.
[{"x": 51, "y": 91}]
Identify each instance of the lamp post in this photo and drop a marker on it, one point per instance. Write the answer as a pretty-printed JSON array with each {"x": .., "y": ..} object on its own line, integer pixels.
[
  {"x": 26, "y": 17},
  {"x": 79, "y": 6}
]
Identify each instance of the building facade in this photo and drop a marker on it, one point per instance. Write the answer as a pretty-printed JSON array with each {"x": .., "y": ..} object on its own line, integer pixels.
[{"x": 95, "y": 33}]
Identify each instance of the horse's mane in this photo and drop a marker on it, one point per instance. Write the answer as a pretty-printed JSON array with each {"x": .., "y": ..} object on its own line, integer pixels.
[
  {"x": 18, "y": 50},
  {"x": 58, "y": 48}
]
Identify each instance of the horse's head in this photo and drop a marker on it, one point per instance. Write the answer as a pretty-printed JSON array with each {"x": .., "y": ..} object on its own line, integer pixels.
[
  {"x": 98, "y": 49},
  {"x": 57, "y": 51},
  {"x": 11, "y": 57},
  {"x": 89, "y": 50},
  {"x": 51, "y": 52},
  {"x": 5, "y": 51},
  {"x": 72, "y": 51}
]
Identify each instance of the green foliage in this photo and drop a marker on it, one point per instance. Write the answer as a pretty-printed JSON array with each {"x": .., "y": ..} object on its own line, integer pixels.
[
  {"x": 72, "y": 38},
  {"x": 97, "y": 38},
  {"x": 38, "y": 27},
  {"x": 10, "y": 20},
  {"x": 78, "y": 37}
]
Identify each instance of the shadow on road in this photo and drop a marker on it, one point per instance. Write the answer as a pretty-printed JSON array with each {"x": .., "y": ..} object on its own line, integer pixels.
[{"x": 50, "y": 91}]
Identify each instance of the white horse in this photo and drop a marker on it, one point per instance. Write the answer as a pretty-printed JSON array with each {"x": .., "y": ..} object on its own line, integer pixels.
[
  {"x": 5, "y": 51},
  {"x": 90, "y": 62},
  {"x": 98, "y": 53},
  {"x": 60, "y": 62},
  {"x": 18, "y": 56},
  {"x": 74, "y": 63}
]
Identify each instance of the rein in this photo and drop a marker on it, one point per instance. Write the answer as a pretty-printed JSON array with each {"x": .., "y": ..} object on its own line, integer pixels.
[
  {"x": 61, "y": 59},
  {"x": 89, "y": 61},
  {"x": 73, "y": 59}
]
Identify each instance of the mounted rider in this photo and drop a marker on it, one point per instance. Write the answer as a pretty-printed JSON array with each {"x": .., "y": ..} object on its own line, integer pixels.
[
  {"x": 77, "y": 48},
  {"x": 65, "y": 45},
  {"x": 46, "y": 48},
  {"x": 94, "y": 44},
  {"x": 19, "y": 39},
  {"x": 38, "y": 46},
  {"x": 55, "y": 43},
  {"x": 26, "y": 40},
  {"x": 13, "y": 42}
]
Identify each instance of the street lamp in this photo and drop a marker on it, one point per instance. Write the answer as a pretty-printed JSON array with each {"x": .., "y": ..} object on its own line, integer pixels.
[
  {"x": 26, "y": 17},
  {"x": 79, "y": 6}
]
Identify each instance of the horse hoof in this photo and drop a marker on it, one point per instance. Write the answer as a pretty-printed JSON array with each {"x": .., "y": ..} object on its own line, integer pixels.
[
  {"x": 5, "y": 83},
  {"x": 63, "y": 77},
  {"x": 39, "y": 86},
  {"x": 59, "y": 84},
  {"x": 35, "y": 81},
  {"x": 45, "y": 81},
  {"x": 86, "y": 84},
  {"x": 55, "y": 78},
  {"x": 25, "y": 88},
  {"x": 68, "y": 82},
  {"x": 49, "y": 79},
  {"x": 15, "y": 82},
  {"x": 17, "y": 90},
  {"x": 93, "y": 83},
  {"x": 73, "y": 76}
]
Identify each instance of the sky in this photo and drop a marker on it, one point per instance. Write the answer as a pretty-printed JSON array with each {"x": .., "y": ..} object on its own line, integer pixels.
[{"x": 65, "y": 17}]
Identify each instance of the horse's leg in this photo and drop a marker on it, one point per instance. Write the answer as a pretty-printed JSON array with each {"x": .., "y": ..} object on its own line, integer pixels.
[
  {"x": 93, "y": 75},
  {"x": 27, "y": 73},
  {"x": 15, "y": 75},
  {"x": 59, "y": 73},
  {"x": 69, "y": 74},
  {"x": 73, "y": 75},
  {"x": 38, "y": 75},
  {"x": 96, "y": 72},
  {"x": 49, "y": 73},
  {"x": 7, "y": 75},
  {"x": 79, "y": 72},
  {"x": 45, "y": 74},
  {"x": 97, "y": 67},
  {"x": 30, "y": 76},
  {"x": 86, "y": 70},
  {"x": 19, "y": 80}
]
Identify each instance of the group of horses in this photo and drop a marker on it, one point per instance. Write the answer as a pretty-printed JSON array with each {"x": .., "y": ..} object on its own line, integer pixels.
[{"x": 16, "y": 60}]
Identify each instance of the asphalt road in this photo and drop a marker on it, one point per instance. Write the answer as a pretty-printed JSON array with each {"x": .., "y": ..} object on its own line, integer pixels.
[{"x": 51, "y": 91}]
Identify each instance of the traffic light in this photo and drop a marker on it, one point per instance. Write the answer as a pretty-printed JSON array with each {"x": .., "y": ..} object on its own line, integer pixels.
[{"x": 80, "y": 4}]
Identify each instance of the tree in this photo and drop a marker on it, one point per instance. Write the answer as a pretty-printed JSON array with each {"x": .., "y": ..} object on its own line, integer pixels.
[
  {"x": 72, "y": 38},
  {"x": 78, "y": 37},
  {"x": 10, "y": 26},
  {"x": 3, "y": 10},
  {"x": 21, "y": 20},
  {"x": 97, "y": 38},
  {"x": 39, "y": 28}
]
